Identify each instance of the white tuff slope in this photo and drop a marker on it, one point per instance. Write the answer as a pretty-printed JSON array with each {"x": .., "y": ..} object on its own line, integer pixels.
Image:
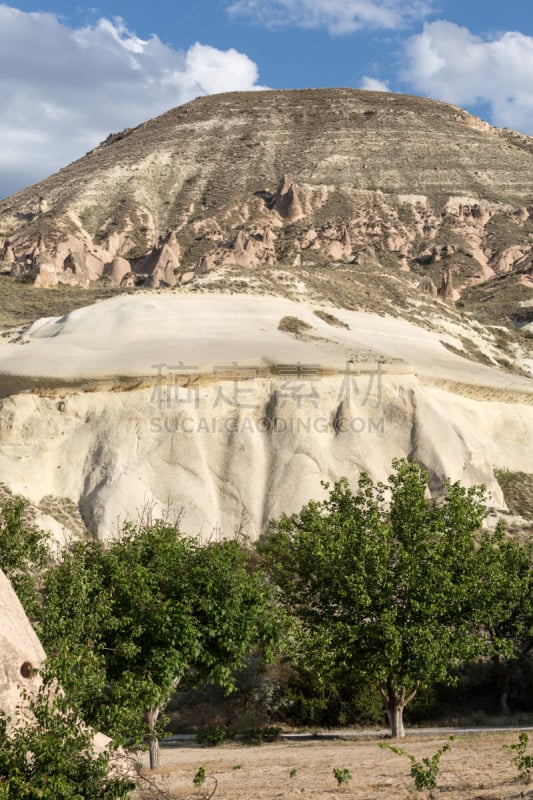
[{"x": 241, "y": 416}]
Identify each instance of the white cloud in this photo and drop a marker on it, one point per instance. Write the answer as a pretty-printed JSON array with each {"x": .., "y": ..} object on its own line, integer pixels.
[
  {"x": 450, "y": 63},
  {"x": 337, "y": 16},
  {"x": 373, "y": 85},
  {"x": 62, "y": 90}
]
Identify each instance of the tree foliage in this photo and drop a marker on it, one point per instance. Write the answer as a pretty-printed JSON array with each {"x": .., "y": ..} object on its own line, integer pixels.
[
  {"x": 128, "y": 621},
  {"x": 24, "y": 552},
  {"x": 505, "y": 588},
  {"x": 382, "y": 581},
  {"x": 47, "y": 753}
]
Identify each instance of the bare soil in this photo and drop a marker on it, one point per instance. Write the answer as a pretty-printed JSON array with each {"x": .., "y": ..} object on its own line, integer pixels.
[{"x": 476, "y": 768}]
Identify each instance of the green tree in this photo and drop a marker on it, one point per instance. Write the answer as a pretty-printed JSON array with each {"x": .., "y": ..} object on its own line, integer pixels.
[
  {"x": 47, "y": 753},
  {"x": 24, "y": 552},
  {"x": 128, "y": 621},
  {"x": 381, "y": 580},
  {"x": 505, "y": 587}
]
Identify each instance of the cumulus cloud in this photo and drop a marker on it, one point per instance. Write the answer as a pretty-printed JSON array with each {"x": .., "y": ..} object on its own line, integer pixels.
[
  {"x": 374, "y": 85},
  {"x": 336, "y": 16},
  {"x": 62, "y": 90},
  {"x": 450, "y": 63}
]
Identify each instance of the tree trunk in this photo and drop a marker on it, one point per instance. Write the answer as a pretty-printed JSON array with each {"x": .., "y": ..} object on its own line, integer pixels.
[
  {"x": 395, "y": 715},
  {"x": 503, "y": 680},
  {"x": 395, "y": 700},
  {"x": 151, "y": 715}
]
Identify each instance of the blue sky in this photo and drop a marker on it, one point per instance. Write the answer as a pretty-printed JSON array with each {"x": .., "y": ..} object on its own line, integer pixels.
[{"x": 70, "y": 73}]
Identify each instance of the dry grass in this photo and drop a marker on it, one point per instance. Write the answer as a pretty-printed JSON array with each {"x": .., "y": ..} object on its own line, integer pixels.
[
  {"x": 294, "y": 325},
  {"x": 331, "y": 319},
  {"x": 517, "y": 490},
  {"x": 477, "y": 768},
  {"x": 23, "y": 303}
]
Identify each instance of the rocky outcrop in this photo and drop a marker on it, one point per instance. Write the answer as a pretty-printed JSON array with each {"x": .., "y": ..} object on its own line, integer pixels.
[
  {"x": 44, "y": 271},
  {"x": 21, "y": 653},
  {"x": 251, "y": 250},
  {"x": 286, "y": 201},
  {"x": 427, "y": 286},
  {"x": 341, "y": 250},
  {"x": 205, "y": 264},
  {"x": 8, "y": 254},
  {"x": 163, "y": 263},
  {"x": 446, "y": 291},
  {"x": 75, "y": 270},
  {"x": 129, "y": 281},
  {"x": 116, "y": 271}
]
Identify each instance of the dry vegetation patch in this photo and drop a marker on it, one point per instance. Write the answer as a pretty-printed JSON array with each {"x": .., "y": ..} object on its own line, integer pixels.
[
  {"x": 517, "y": 490},
  {"x": 294, "y": 325},
  {"x": 23, "y": 303},
  {"x": 330, "y": 319},
  {"x": 477, "y": 768}
]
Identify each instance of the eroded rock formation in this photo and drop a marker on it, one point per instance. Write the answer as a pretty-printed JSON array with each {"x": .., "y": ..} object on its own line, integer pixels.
[
  {"x": 336, "y": 176},
  {"x": 21, "y": 653}
]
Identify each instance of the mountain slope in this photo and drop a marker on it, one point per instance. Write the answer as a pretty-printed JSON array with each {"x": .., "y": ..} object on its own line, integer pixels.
[{"x": 308, "y": 178}]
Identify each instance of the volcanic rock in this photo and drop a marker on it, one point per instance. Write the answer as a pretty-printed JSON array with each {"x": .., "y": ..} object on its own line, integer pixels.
[
  {"x": 403, "y": 174},
  {"x": 44, "y": 271},
  {"x": 21, "y": 653},
  {"x": 115, "y": 272},
  {"x": 286, "y": 201}
]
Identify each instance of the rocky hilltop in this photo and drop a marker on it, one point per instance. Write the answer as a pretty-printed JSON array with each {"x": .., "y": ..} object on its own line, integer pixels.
[
  {"x": 341, "y": 277},
  {"x": 294, "y": 178}
]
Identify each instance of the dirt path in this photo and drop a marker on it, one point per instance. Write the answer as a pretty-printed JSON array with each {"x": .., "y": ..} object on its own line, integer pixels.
[{"x": 477, "y": 768}]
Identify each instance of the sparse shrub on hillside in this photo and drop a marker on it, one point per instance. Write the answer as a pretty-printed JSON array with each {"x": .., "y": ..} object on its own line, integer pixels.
[
  {"x": 294, "y": 325},
  {"x": 517, "y": 490}
]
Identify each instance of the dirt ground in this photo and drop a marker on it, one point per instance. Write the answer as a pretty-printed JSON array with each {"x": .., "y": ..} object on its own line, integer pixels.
[{"x": 476, "y": 768}]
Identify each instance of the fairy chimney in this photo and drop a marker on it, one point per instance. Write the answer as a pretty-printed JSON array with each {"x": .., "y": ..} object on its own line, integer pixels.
[
  {"x": 286, "y": 200},
  {"x": 446, "y": 290}
]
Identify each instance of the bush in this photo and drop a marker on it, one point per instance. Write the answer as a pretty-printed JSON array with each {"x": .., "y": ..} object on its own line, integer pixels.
[
  {"x": 338, "y": 700},
  {"x": 48, "y": 754},
  {"x": 521, "y": 760},
  {"x": 266, "y": 733},
  {"x": 425, "y": 772},
  {"x": 23, "y": 551},
  {"x": 212, "y": 735}
]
